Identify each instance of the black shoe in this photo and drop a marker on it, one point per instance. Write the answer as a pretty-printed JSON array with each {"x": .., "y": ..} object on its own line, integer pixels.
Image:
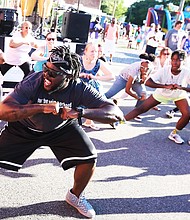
[
  {"x": 113, "y": 125},
  {"x": 115, "y": 101}
]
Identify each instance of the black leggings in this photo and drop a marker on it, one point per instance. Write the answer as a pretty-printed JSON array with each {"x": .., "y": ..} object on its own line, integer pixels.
[
  {"x": 150, "y": 49},
  {"x": 25, "y": 67},
  {"x": 175, "y": 109}
]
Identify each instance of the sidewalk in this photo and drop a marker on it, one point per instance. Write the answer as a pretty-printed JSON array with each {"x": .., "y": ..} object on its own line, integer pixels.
[{"x": 140, "y": 174}]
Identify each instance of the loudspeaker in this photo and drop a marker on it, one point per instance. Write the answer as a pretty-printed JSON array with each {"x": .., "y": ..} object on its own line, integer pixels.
[
  {"x": 75, "y": 26},
  {"x": 80, "y": 49},
  {"x": 4, "y": 42},
  {"x": 6, "y": 27},
  {"x": 7, "y": 20}
]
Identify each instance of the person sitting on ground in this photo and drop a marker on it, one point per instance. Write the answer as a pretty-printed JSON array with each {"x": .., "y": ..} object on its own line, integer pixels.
[
  {"x": 93, "y": 71},
  {"x": 43, "y": 111},
  {"x": 171, "y": 84},
  {"x": 42, "y": 53},
  {"x": 20, "y": 45}
]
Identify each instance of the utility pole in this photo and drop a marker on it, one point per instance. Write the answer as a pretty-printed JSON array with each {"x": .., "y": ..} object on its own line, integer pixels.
[
  {"x": 182, "y": 2},
  {"x": 114, "y": 8}
]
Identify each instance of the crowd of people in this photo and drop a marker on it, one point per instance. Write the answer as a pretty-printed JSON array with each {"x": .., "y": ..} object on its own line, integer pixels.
[{"x": 62, "y": 93}]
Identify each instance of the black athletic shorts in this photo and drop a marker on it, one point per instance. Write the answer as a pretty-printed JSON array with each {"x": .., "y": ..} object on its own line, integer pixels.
[{"x": 70, "y": 144}]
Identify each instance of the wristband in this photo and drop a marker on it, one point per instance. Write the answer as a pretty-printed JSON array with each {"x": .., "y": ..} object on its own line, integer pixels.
[{"x": 80, "y": 114}]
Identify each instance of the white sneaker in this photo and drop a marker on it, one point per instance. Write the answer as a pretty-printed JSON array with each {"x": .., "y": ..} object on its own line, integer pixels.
[
  {"x": 81, "y": 204},
  {"x": 176, "y": 138},
  {"x": 138, "y": 118},
  {"x": 170, "y": 114}
]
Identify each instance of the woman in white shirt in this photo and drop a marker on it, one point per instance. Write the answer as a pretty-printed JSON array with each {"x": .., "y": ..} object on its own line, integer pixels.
[
  {"x": 135, "y": 73},
  {"x": 20, "y": 45},
  {"x": 163, "y": 59},
  {"x": 171, "y": 84}
]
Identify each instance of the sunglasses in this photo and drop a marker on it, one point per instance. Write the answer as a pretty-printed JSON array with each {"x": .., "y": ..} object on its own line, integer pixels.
[
  {"x": 27, "y": 27},
  {"x": 52, "y": 73},
  {"x": 166, "y": 54},
  {"x": 145, "y": 68},
  {"x": 49, "y": 39}
]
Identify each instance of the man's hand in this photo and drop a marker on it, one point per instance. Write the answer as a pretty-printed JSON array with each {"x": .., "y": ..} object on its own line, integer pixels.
[
  {"x": 64, "y": 112},
  {"x": 176, "y": 86},
  {"x": 67, "y": 113},
  {"x": 86, "y": 76},
  {"x": 51, "y": 108}
]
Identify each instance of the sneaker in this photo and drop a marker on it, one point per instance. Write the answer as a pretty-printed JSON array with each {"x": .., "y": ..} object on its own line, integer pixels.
[
  {"x": 114, "y": 124},
  {"x": 170, "y": 114},
  {"x": 176, "y": 138},
  {"x": 138, "y": 118},
  {"x": 91, "y": 125},
  {"x": 156, "y": 108},
  {"x": 115, "y": 101},
  {"x": 81, "y": 204}
]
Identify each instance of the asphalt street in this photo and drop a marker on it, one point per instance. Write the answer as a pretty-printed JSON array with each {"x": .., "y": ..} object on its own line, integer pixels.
[{"x": 140, "y": 174}]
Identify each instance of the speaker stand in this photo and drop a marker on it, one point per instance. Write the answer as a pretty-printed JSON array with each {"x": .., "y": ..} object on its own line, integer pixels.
[
  {"x": 42, "y": 25},
  {"x": 78, "y": 4}
]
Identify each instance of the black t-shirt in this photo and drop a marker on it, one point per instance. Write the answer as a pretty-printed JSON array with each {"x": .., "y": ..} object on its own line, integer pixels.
[{"x": 31, "y": 89}]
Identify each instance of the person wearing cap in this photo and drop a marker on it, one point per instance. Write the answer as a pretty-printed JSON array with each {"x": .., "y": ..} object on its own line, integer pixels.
[
  {"x": 173, "y": 38},
  {"x": 44, "y": 110},
  {"x": 171, "y": 83}
]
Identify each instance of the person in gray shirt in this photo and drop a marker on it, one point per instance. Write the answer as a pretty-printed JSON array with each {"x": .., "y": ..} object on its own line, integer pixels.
[{"x": 174, "y": 36}]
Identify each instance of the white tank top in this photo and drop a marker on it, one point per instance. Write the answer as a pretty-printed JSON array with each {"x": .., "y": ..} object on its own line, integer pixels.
[{"x": 111, "y": 33}]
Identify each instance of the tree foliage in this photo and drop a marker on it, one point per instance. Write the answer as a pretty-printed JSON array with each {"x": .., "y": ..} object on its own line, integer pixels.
[
  {"x": 137, "y": 12},
  {"x": 114, "y": 7}
]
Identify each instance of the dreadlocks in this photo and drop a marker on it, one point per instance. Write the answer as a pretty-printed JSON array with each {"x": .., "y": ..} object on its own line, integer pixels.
[{"x": 65, "y": 60}]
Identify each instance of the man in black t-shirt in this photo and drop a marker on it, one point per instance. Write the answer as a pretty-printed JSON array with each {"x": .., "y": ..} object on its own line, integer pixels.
[{"x": 43, "y": 110}]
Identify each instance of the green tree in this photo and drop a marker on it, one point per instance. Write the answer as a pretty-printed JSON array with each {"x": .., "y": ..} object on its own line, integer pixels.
[
  {"x": 114, "y": 7},
  {"x": 137, "y": 12},
  {"x": 141, "y": 6}
]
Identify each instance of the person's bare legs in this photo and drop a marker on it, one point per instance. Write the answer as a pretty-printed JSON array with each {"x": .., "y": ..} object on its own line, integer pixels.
[
  {"x": 149, "y": 103},
  {"x": 82, "y": 176},
  {"x": 184, "y": 109},
  {"x": 111, "y": 56}
]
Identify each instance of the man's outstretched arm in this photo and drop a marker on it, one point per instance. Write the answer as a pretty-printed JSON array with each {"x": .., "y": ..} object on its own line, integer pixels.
[{"x": 11, "y": 110}]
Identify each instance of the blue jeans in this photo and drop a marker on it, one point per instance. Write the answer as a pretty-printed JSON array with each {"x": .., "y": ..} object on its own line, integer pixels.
[{"x": 120, "y": 83}]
